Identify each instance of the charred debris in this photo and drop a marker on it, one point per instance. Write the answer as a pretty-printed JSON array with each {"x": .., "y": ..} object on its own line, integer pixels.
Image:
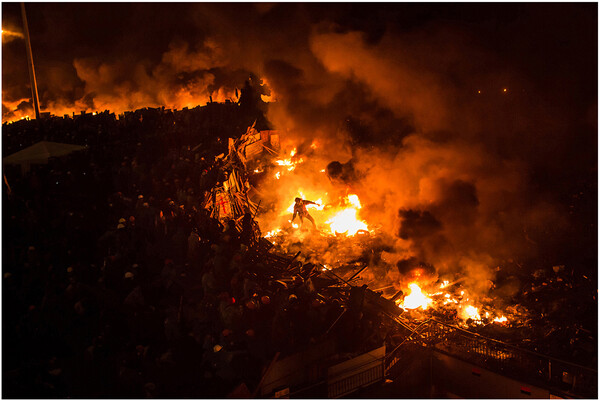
[
  {"x": 252, "y": 305},
  {"x": 327, "y": 310}
]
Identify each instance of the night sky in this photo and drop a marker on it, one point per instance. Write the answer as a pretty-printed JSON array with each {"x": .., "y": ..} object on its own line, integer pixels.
[
  {"x": 463, "y": 136},
  {"x": 546, "y": 49},
  {"x": 505, "y": 93}
]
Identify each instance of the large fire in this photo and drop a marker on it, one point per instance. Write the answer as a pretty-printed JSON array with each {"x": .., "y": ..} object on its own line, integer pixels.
[
  {"x": 288, "y": 164},
  {"x": 345, "y": 221},
  {"x": 416, "y": 298},
  {"x": 462, "y": 307},
  {"x": 339, "y": 217},
  {"x": 334, "y": 215},
  {"x": 343, "y": 218}
]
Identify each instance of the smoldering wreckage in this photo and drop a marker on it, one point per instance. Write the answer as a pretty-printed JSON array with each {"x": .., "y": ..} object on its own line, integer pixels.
[
  {"x": 374, "y": 337},
  {"x": 329, "y": 312}
]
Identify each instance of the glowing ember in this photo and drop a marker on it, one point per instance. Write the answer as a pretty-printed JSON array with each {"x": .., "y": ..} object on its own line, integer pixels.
[
  {"x": 272, "y": 233},
  {"x": 449, "y": 299},
  {"x": 277, "y": 175},
  {"x": 502, "y": 319},
  {"x": 470, "y": 312},
  {"x": 444, "y": 284},
  {"x": 290, "y": 163},
  {"x": 416, "y": 298}
]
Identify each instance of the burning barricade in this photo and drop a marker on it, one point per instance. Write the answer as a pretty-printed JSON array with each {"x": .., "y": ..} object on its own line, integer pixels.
[{"x": 343, "y": 264}]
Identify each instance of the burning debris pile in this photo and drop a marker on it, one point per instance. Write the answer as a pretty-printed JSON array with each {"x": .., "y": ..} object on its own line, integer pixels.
[
  {"x": 242, "y": 297},
  {"x": 407, "y": 176},
  {"x": 343, "y": 243},
  {"x": 228, "y": 199}
]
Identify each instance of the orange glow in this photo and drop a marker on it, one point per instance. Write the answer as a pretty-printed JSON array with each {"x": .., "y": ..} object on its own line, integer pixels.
[
  {"x": 416, "y": 299},
  {"x": 465, "y": 309},
  {"x": 353, "y": 199},
  {"x": 290, "y": 163},
  {"x": 470, "y": 312},
  {"x": 318, "y": 206},
  {"x": 346, "y": 221},
  {"x": 272, "y": 233},
  {"x": 268, "y": 98},
  {"x": 502, "y": 319},
  {"x": 12, "y": 34},
  {"x": 122, "y": 98}
]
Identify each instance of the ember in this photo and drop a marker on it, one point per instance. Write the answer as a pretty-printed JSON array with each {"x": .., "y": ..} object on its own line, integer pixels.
[
  {"x": 470, "y": 312},
  {"x": 502, "y": 319}
]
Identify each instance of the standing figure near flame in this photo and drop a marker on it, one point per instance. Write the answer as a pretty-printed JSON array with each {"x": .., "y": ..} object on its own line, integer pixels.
[{"x": 300, "y": 210}]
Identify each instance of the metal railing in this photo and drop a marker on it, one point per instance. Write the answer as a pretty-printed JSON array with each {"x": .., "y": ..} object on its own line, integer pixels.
[
  {"x": 501, "y": 357},
  {"x": 360, "y": 371},
  {"x": 359, "y": 377},
  {"x": 392, "y": 358}
]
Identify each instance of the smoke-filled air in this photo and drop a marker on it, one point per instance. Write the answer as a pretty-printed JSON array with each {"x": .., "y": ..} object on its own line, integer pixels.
[{"x": 456, "y": 142}]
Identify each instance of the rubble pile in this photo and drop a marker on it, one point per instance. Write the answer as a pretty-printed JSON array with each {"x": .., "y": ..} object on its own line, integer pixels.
[
  {"x": 143, "y": 273},
  {"x": 118, "y": 281}
]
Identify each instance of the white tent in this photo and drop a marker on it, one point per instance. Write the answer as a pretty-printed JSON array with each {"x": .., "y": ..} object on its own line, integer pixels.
[{"x": 40, "y": 153}]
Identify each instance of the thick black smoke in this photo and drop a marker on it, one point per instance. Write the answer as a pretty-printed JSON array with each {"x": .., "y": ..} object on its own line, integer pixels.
[{"x": 470, "y": 127}]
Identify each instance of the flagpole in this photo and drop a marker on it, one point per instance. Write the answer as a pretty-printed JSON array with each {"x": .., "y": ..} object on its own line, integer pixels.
[{"x": 34, "y": 91}]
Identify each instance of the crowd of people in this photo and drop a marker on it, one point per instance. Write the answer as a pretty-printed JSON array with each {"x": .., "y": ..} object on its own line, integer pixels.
[{"x": 117, "y": 283}]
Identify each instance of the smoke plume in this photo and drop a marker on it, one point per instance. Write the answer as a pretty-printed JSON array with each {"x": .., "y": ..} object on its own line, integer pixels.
[{"x": 463, "y": 146}]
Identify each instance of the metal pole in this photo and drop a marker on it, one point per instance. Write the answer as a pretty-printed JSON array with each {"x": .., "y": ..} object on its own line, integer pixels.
[{"x": 34, "y": 91}]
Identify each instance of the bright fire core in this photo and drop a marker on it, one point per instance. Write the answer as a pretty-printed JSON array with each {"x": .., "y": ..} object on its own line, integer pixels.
[{"x": 297, "y": 175}]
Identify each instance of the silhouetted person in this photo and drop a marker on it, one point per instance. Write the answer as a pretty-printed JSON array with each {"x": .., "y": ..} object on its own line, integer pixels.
[{"x": 300, "y": 210}]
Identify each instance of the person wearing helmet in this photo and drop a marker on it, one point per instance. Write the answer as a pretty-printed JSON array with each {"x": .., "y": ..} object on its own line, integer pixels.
[{"x": 300, "y": 210}]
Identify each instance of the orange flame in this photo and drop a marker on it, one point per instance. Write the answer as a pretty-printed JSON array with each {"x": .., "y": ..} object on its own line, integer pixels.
[
  {"x": 289, "y": 163},
  {"x": 502, "y": 319},
  {"x": 470, "y": 312},
  {"x": 416, "y": 298},
  {"x": 346, "y": 221}
]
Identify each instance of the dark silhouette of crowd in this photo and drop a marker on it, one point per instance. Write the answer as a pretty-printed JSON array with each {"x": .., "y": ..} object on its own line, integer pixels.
[{"x": 116, "y": 283}]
